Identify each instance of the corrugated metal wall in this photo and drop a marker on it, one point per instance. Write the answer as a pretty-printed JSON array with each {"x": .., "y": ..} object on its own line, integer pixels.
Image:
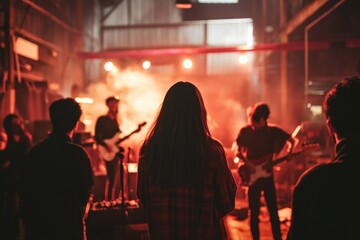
[
  {"x": 154, "y": 36},
  {"x": 55, "y": 27},
  {"x": 138, "y": 12},
  {"x": 153, "y": 24},
  {"x": 188, "y": 34}
]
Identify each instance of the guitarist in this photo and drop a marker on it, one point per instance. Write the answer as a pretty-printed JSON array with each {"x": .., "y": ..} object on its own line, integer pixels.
[
  {"x": 106, "y": 127},
  {"x": 257, "y": 143}
]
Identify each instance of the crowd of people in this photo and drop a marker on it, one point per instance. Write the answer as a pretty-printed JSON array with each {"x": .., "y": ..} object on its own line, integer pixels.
[{"x": 184, "y": 182}]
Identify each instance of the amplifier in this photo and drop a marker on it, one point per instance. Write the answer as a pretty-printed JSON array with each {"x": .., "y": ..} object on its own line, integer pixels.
[
  {"x": 116, "y": 213},
  {"x": 114, "y": 220}
]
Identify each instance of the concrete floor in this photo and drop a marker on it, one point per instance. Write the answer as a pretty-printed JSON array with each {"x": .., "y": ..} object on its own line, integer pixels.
[
  {"x": 239, "y": 228},
  {"x": 237, "y": 222}
]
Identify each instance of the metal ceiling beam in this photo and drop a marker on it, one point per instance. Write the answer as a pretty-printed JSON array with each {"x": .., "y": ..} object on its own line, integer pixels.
[
  {"x": 291, "y": 46},
  {"x": 301, "y": 17}
]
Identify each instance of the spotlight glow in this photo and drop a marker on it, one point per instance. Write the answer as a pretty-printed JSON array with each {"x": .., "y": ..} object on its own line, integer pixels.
[
  {"x": 187, "y": 63},
  {"x": 243, "y": 59},
  {"x": 108, "y": 66},
  {"x": 84, "y": 100},
  {"x": 146, "y": 64}
]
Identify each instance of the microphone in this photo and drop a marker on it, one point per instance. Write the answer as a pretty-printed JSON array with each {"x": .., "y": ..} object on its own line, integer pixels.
[{"x": 121, "y": 149}]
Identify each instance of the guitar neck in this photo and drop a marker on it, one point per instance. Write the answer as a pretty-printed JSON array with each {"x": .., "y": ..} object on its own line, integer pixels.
[
  {"x": 279, "y": 160},
  {"x": 124, "y": 138},
  {"x": 127, "y": 136}
]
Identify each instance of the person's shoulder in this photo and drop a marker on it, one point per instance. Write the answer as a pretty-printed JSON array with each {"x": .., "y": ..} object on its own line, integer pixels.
[
  {"x": 320, "y": 171},
  {"x": 216, "y": 153},
  {"x": 77, "y": 150},
  {"x": 275, "y": 126},
  {"x": 246, "y": 128},
  {"x": 38, "y": 149},
  {"x": 102, "y": 118},
  {"x": 277, "y": 129},
  {"x": 215, "y": 145},
  {"x": 76, "y": 147}
]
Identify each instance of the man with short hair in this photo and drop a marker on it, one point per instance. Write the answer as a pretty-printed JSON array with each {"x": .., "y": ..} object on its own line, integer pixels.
[
  {"x": 107, "y": 127},
  {"x": 326, "y": 200},
  {"x": 57, "y": 179}
]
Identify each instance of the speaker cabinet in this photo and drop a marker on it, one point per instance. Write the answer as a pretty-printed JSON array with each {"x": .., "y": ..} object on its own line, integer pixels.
[{"x": 107, "y": 220}]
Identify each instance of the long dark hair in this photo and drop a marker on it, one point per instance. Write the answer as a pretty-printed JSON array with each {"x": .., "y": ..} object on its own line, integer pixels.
[{"x": 173, "y": 152}]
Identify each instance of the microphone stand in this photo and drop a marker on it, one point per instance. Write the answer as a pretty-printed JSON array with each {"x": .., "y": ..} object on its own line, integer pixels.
[
  {"x": 122, "y": 205},
  {"x": 122, "y": 175}
]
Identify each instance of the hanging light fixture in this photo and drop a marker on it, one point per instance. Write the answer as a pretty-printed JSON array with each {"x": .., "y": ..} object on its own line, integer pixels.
[{"x": 184, "y": 4}]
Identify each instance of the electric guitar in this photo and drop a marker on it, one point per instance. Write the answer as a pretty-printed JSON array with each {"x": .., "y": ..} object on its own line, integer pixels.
[
  {"x": 249, "y": 175},
  {"x": 113, "y": 144}
]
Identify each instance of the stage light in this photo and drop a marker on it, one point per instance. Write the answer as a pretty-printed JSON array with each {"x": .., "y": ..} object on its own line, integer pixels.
[
  {"x": 146, "y": 64},
  {"x": 236, "y": 160},
  {"x": 84, "y": 100},
  {"x": 184, "y": 4},
  {"x": 108, "y": 66},
  {"x": 243, "y": 59},
  {"x": 187, "y": 63}
]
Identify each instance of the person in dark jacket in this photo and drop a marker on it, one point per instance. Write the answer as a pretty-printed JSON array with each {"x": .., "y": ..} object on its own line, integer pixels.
[
  {"x": 57, "y": 179},
  {"x": 326, "y": 200}
]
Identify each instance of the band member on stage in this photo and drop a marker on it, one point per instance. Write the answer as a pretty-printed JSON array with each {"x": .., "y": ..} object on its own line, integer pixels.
[
  {"x": 257, "y": 143},
  {"x": 107, "y": 127}
]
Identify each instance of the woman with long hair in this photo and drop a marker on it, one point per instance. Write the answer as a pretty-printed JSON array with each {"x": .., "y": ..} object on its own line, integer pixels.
[{"x": 184, "y": 181}]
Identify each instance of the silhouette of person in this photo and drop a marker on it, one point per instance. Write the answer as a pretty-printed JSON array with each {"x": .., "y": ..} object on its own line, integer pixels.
[
  {"x": 18, "y": 142},
  {"x": 325, "y": 202},
  {"x": 107, "y": 127},
  {"x": 184, "y": 181},
  {"x": 57, "y": 179},
  {"x": 258, "y": 142}
]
